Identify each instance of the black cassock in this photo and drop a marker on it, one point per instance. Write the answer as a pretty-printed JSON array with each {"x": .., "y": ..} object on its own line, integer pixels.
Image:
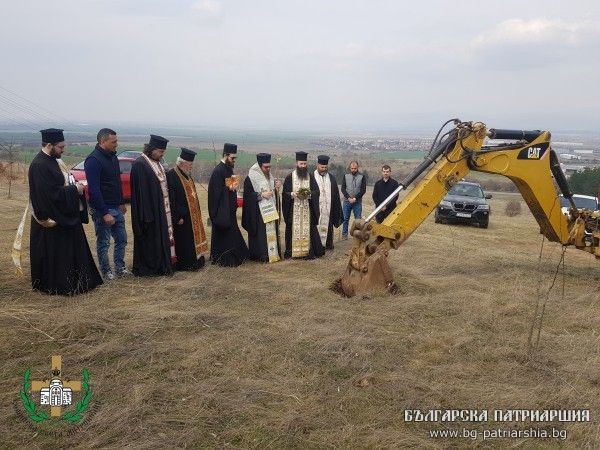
[
  {"x": 227, "y": 246},
  {"x": 252, "y": 222},
  {"x": 316, "y": 248},
  {"x": 61, "y": 261},
  {"x": 336, "y": 216},
  {"x": 151, "y": 245},
  {"x": 185, "y": 246}
]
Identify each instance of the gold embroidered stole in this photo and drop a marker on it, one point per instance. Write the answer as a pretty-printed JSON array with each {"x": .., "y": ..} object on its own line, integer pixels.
[
  {"x": 191, "y": 197},
  {"x": 17, "y": 244},
  {"x": 324, "y": 184},
  {"x": 301, "y": 219}
]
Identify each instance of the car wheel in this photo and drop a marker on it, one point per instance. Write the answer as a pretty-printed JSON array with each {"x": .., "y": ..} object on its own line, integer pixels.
[
  {"x": 484, "y": 224},
  {"x": 437, "y": 219}
]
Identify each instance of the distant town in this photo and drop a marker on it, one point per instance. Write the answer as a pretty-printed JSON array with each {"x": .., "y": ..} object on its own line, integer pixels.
[
  {"x": 574, "y": 156},
  {"x": 374, "y": 144}
]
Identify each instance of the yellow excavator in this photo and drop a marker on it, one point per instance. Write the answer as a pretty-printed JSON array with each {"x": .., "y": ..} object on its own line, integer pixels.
[{"x": 525, "y": 157}]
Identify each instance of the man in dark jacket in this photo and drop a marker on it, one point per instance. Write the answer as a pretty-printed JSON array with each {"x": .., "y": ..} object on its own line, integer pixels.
[
  {"x": 354, "y": 187},
  {"x": 382, "y": 190},
  {"x": 106, "y": 202}
]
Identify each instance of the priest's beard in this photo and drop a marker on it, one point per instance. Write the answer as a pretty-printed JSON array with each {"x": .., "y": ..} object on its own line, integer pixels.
[
  {"x": 54, "y": 153},
  {"x": 302, "y": 172},
  {"x": 150, "y": 154}
]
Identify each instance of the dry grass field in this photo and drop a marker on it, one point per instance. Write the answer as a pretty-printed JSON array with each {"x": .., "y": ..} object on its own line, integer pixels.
[{"x": 266, "y": 356}]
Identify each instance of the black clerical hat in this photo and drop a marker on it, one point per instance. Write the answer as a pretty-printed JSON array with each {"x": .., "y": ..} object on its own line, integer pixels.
[
  {"x": 263, "y": 158},
  {"x": 301, "y": 156},
  {"x": 323, "y": 159},
  {"x": 230, "y": 149},
  {"x": 158, "y": 142},
  {"x": 187, "y": 154},
  {"x": 52, "y": 136}
]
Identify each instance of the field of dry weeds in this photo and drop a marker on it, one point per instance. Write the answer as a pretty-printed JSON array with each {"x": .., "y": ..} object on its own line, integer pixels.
[{"x": 266, "y": 356}]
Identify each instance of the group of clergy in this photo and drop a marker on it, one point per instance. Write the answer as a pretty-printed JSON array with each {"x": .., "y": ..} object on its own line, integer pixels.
[
  {"x": 167, "y": 221},
  {"x": 166, "y": 218},
  {"x": 308, "y": 202}
]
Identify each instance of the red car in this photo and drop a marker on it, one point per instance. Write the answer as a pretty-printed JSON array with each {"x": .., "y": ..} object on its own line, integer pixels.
[{"x": 124, "y": 163}]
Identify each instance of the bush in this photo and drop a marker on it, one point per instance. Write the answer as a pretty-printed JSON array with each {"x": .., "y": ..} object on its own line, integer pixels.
[
  {"x": 338, "y": 171},
  {"x": 499, "y": 185},
  {"x": 586, "y": 182},
  {"x": 513, "y": 208}
]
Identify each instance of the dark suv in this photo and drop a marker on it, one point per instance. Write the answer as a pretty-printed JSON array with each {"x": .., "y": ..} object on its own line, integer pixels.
[{"x": 465, "y": 202}]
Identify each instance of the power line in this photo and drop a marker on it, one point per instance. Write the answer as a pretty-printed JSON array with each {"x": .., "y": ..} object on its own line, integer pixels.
[
  {"x": 22, "y": 121},
  {"x": 19, "y": 113},
  {"x": 24, "y": 109},
  {"x": 11, "y": 119},
  {"x": 52, "y": 113}
]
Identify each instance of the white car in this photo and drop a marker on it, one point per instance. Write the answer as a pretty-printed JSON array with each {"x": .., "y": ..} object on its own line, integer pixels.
[{"x": 581, "y": 201}]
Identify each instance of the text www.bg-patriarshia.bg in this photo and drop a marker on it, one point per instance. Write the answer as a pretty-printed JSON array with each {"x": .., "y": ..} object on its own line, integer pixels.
[{"x": 499, "y": 433}]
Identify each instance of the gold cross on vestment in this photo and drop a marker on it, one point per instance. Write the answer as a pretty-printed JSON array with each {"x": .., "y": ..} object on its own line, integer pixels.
[{"x": 56, "y": 368}]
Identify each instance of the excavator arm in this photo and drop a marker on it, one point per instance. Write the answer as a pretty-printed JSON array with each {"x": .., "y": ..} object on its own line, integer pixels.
[{"x": 529, "y": 162}]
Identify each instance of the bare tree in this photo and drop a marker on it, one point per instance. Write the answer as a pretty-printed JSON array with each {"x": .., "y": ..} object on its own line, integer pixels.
[
  {"x": 214, "y": 151},
  {"x": 9, "y": 154}
]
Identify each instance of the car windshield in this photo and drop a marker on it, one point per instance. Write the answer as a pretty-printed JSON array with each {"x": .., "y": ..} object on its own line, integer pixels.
[
  {"x": 466, "y": 190},
  {"x": 79, "y": 166},
  {"x": 125, "y": 166},
  {"x": 580, "y": 202},
  {"x": 130, "y": 154}
]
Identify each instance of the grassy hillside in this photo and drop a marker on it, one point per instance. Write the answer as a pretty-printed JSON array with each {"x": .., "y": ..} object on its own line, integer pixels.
[{"x": 267, "y": 356}]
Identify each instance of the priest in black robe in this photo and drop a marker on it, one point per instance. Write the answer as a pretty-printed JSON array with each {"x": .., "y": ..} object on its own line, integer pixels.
[
  {"x": 61, "y": 260},
  {"x": 153, "y": 240},
  {"x": 260, "y": 214},
  {"x": 330, "y": 205},
  {"x": 383, "y": 189},
  {"x": 188, "y": 228},
  {"x": 228, "y": 247},
  {"x": 300, "y": 207}
]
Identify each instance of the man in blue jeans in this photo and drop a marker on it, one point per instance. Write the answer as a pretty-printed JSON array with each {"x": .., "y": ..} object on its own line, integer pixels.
[
  {"x": 106, "y": 202},
  {"x": 354, "y": 187}
]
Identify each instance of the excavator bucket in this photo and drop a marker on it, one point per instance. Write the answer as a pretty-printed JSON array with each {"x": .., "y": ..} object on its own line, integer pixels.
[
  {"x": 376, "y": 274},
  {"x": 367, "y": 270}
]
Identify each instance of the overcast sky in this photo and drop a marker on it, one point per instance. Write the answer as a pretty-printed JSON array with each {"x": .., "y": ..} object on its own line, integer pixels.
[{"x": 314, "y": 64}]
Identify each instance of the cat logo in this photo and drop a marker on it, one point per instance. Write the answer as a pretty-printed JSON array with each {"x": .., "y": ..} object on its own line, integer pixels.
[{"x": 533, "y": 153}]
